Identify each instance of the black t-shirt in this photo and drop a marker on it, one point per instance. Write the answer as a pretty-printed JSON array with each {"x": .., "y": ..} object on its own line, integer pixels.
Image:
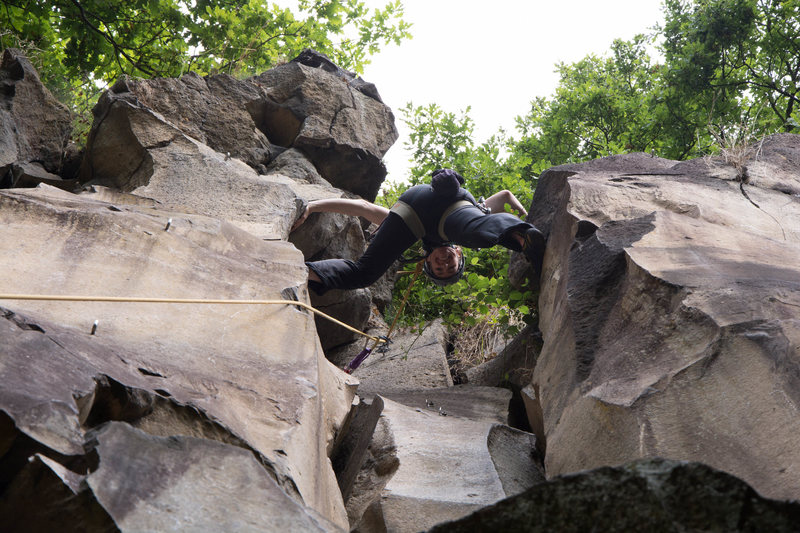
[{"x": 430, "y": 207}]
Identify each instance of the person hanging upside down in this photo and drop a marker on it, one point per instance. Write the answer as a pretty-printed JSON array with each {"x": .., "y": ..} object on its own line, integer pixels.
[{"x": 443, "y": 215}]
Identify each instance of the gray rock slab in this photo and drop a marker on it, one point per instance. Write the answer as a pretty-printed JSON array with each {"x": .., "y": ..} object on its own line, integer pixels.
[
  {"x": 447, "y": 466},
  {"x": 489, "y": 404},
  {"x": 149, "y": 483},
  {"x": 413, "y": 361},
  {"x": 256, "y": 374},
  {"x": 670, "y": 315}
]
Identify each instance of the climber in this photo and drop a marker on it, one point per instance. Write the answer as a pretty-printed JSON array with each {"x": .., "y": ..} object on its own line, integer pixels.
[{"x": 442, "y": 214}]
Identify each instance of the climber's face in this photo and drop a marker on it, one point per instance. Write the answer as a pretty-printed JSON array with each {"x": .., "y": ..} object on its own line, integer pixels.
[{"x": 443, "y": 261}]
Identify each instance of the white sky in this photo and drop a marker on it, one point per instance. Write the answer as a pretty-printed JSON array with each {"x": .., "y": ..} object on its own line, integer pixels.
[{"x": 494, "y": 56}]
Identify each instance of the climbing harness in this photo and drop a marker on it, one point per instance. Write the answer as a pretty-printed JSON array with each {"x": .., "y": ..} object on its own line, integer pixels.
[
  {"x": 414, "y": 223},
  {"x": 123, "y": 299},
  {"x": 357, "y": 360}
]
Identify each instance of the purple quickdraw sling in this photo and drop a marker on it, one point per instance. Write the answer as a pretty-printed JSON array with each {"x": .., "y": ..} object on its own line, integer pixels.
[{"x": 357, "y": 360}]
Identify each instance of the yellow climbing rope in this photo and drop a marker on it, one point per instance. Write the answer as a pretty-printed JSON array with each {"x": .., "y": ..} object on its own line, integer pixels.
[{"x": 124, "y": 299}]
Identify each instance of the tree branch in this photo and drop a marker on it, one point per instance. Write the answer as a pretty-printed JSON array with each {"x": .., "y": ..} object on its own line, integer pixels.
[{"x": 119, "y": 50}]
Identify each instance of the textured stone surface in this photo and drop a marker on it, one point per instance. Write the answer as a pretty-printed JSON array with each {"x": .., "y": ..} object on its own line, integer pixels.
[
  {"x": 178, "y": 483},
  {"x": 134, "y": 149},
  {"x": 213, "y": 110},
  {"x": 34, "y": 126},
  {"x": 238, "y": 398},
  {"x": 669, "y": 311},
  {"x": 649, "y": 495},
  {"x": 192, "y": 145},
  {"x": 253, "y": 376},
  {"x": 330, "y": 117},
  {"x": 489, "y": 404},
  {"x": 444, "y": 467},
  {"x": 413, "y": 362}
]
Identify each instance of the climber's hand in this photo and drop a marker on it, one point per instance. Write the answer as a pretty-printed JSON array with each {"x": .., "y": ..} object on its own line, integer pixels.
[{"x": 303, "y": 217}]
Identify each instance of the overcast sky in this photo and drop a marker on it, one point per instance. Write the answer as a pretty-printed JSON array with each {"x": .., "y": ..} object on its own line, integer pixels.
[{"x": 494, "y": 56}]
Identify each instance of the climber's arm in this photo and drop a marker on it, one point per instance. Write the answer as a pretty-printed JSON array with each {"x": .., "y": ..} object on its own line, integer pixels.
[
  {"x": 497, "y": 202},
  {"x": 355, "y": 207}
]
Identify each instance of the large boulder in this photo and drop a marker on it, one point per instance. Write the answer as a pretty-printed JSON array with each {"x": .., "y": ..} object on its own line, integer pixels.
[
  {"x": 425, "y": 465},
  {"x": 34, "y": 126},
  {"x": 135, "y": 149},
  {"x": 212, "y": 110},
  {"x": 248, "y": 376},
  {"x": 193, "y": 144},
  {"x": 647, "y": 495},
  {"x": 669, "y": 312},
  {"x": 333, "y": 117},
  {"x": 342, "y": 130}
]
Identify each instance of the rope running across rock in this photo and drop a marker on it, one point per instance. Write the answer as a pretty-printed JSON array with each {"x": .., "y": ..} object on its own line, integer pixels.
[{"x": 123, "y": 299}]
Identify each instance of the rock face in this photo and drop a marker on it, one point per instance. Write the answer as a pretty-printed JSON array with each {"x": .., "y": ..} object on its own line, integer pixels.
[
  {"x": 669, "y": 313},
  {"x": 668, "y": 318},
  {"x": 422, "y": 451},
  {"x": 413, "y": 361},
  {"x": 34, "y": 126},
  {"x": 209, "y": 486},
  {"x": 142, "y": 125},
  {"x": 214, "y": 146},
  {"x": 251, "y": 376},
  {"x": 649, "y": 495},
  {"x": 426, "y": 465},
  {"x": 184, "y": 197}
]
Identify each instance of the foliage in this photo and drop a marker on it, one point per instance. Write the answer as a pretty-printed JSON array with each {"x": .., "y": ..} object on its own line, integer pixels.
[
  {"x": 474, "y": 345},
  {"x": 484, "y": 293},
  {"x": 730, "y": 58},
  {"x": 441, "y": 139},
  {"x": 79, "y": 46},
  {"x": 724, "y": 63},
  {"x": 601, "y": 107}
]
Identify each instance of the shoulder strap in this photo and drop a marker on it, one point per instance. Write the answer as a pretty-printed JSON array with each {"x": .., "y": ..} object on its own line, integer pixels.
[
  {"x": 414, "y": 223},
  {"x": 410, "y": 217},
  {"x": 449, "y": 211}
]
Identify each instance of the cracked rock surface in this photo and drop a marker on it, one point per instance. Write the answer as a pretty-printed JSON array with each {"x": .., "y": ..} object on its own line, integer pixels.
[
  {"x": 208, "y": 371},
  {"x": 669, "y": 313}
]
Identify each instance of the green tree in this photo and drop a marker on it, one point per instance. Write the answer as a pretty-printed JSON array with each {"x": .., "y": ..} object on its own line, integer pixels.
[
  {"x": 79, "y": 46},
  {"x": 731, "y": 58},
  {"x": 729, "y": 66},
  {"x": 602, "y": 106},
  {"x": 442, "y": 139}
]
